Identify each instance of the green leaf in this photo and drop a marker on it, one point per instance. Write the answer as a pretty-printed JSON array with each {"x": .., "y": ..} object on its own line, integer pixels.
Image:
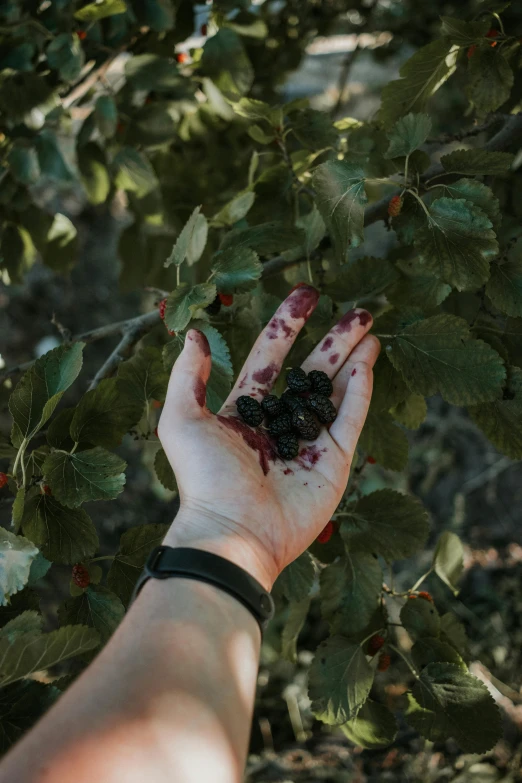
[
  {"x": 65, "y": 55},
  {"x": 182, "y": 244},
  {"x": 106, "y": 115},
  {"x": 185, "y": 301},
  {"x": 389, "y": 388},
  {"x": 512, "y": 339},
  {"x": 94, "y": 173},
  {"x": 295, "y": 619},
  {"x": 504, "y": 287},
  {"x": 253, "y": 110},
  {"x": 64, "y": 535},
  {"x": 420, "y": 618},
  {"x": 374, "y": 727},
  {"x": 198, "y": 241},
  {"x": 29, "y": 653},
  {"x": 40, "y": 389},
  {"x": 350, "y": 592},
  {"x": 105, "y": 414},
  {"x": 17, "y": 251},
  {"x": 133, "y": 172},
  {"x": 164, "y": 471},
  {"x": 423, "y": 291},
  {"x": 296, "y": 580},
  {"x": 501, "y": 420},
  {"x": 96, "y": 474},
  {"x": 25, "y": 600},
  {"x": 23, "y": 162},
  {"x": 50, "y": 158},
  {"x": 97, "y": 607},
  {"x": 101, "y": 9},
  {"x": 463, "y": 33},
  {"x": 226, "y": 61},
  {"x": 426, "y": 651},
  {"x": 259, "y": 135},
  {"x": 18, "y": 508},
  {"x": 234, "y": 210},
  {"x": 135, "y": 546},
  {"x": 341, "y": 198},
  {"x": 27, "y": 622},
  {"x": 453, "y": 632},
  {"x": 39, "y": 568},
  {"x": 479, "y": 194},
  {"x": 457, "y": 243},
  {"x": 408, "y": 134},
  {"x": 384, "y": 441},
  {"x": 22, "y": 92},
  {"x": 361, "y": 280},
  {"x": 61, "y": 247},
  {"x": 144, "y": 376},
  {"x": 476, "y": 161},
  {"x": 16, "y": 556},
  {"x": 265, "y": 238},
  {"x": 422, "y": 75},
  {"x": 21, "y": 704},
  {"x": 490, "y": 79},
  {"x": 340, "y": 680},
  {"x": 386, "y": 523},
  {"x": 448, "y": 560},
  {"x": 438, "y": 355},
  {"x": 152, "y": 72},
  {"x": 314, "y": 129},
  {"x": 236, "y": 269},
  {"x": 411, "y": 412},
  {"x": 455, "y": 704}
]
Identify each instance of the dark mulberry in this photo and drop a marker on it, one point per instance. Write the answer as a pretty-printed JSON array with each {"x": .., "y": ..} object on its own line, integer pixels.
[
  {"x": 321, "y": 383},
  {"x": 272, "y": 405},
  {"x": 288, "y": 445},
  {"x": 323, "y": 407},
  {"x": 280, "y": 425},
  {"x": 291, "y": 402},
  {"x": 375, "y": 644},
  {"x": 305, "y": 423},
  {"x": 250, "y": 410},
  {"x": 214, "y": 307},
  {"x": 80, "y": 576},
  {"x": 298, "y": 380},
  {"x": 384, "y": 662}
]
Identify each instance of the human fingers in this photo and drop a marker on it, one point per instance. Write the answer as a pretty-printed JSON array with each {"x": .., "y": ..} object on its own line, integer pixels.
[
  {"x": 330, "y": 354},
  {"x": 366, "y": 351},
  {"x": 352, "y": 413}
]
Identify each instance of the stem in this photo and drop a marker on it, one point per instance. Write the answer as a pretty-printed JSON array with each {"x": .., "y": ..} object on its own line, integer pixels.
[
  {"x": 20, "y": 457},
  {"x": 421, "y": 202},
  {"x": 74, "y": 448},
  {"x": 103, "y": 557},
  {"x": 406, "y": 169},
  {"x": 499, "y": 20},
  {"x": 421, "y": 580},
  {"x": 405, "y": 659},
  {"x": 178, "y": 275},
  {"x": 309, "y": 267}
]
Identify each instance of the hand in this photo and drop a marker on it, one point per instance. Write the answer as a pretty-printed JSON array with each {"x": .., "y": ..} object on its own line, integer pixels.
[{"x": 237, "y": 497}]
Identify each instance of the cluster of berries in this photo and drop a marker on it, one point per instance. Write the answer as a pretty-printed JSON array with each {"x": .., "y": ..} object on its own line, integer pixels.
[
  {"x": 374, "y": 645},
  {"x": 298, "y": 413}
]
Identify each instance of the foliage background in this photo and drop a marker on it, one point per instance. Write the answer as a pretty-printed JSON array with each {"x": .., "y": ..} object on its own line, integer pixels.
[{"x": 200, "y": 157}]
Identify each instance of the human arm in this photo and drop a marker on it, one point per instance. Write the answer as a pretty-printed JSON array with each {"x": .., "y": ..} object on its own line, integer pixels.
[{"x": 170, "y": 697}]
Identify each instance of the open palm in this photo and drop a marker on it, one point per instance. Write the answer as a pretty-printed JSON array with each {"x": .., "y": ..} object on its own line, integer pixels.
[{"x": 238, "y": 498}]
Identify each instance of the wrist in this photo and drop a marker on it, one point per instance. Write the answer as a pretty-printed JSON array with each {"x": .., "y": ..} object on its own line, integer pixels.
[{"x": 212, "y": 532}]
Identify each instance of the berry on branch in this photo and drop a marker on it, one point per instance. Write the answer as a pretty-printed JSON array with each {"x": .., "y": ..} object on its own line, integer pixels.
[
  {"x": 46, "y": 489},
  {"x": 181, "y": 57},
  {"x": 326, "y": 533},
  {"x": 395, "y": 206},
  {"x": 250, "y": 410},
  {"x": 80, "y": 576},
  {"x": 3, "y": 480},
  {"x": 82, "y": 35},
  {"x": 321, "y": 383},
  {"x": 214, "y": 307},
  {"x": 226, "y": 299},
  {"x": 471, "y": 51},
  {"x": 371, "y": 460},
  {"x": 375, "y": 644},
  {"x": 161, "y": 307},
  {"x": 427, "y": 596},
  {"x": 384, "y": 662},
  {"x": 492, "y": 33}
]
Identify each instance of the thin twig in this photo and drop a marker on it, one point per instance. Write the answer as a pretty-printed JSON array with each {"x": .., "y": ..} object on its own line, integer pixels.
[
  {"x": 346, "y": 67},
  {"x": 88, "y": 82},
  {"x": 447, "y": 138}
]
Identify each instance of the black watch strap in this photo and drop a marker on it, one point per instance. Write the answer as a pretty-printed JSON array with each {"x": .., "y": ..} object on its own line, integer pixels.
[{"x": 165, "y": 562}]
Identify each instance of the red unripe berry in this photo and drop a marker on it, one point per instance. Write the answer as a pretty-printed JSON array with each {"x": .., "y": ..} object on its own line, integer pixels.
[
  {"x": 471, "y": 50},
  {"x": 161, "y": 307},
  {"x": 181, "y": 57},
  {"x": 395, "y": 206},
  {"x": 82, "y": 35},
  {"x": 375, "y": 644},
  {"x": 492, "y": 34},
  {"x": 204, "y": 29},
  {"x": 427, "y": 596},
  {"x": 326, "y": 534},
  {"x": 371, "y": 460},
  {"x": 3, "y": 480},
  {"x": 46, "y": 489},
  {"x": 157, "y": 404},
  {"x": 384, "y": 662},
  {"x": 412, "y": 598},
  {"x": 172, "y": 334},
  {"x": 80, "y": 576},
  {"x": 226, "y": 299},
  {"x": 296, "y": 286}
]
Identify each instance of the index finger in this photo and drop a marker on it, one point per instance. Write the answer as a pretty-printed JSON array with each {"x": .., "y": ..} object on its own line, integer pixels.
[{"x": 273, "y": 344}]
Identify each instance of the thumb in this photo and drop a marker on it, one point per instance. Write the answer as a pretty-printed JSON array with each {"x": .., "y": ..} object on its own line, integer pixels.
[{"x": 186, "y": 394}]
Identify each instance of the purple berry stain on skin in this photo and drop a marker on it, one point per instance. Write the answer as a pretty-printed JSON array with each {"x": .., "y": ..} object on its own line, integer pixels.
[
  {"x": 310, "y": 456},
  {"x": 200, "y": 392},
  {"x": 277, "y": 326},
  {"x": 345, "y": 324},
  {"x": 288, "y": 472},
  {"x": 334, "y": 358},
  {"x": 242, "y": 382},
  {"x": 257, "y": 441},
  {"x": 327, "y": 343},
  {"x": 201, "y": 340},
  {"x": 266, "y": 374},
  {"x": 354, "y": 372},
  {"x": 302, "y": 302}
]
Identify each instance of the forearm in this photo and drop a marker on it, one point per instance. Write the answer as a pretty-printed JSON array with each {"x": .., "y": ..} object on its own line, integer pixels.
[{"x": 170, "y": 698}]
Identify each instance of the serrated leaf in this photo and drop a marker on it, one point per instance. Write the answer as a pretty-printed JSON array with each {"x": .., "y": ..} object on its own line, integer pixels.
[
  {"x": 39, "y": 390},
  {"x": 252, "y": 109},
  {"x": 490, "y": 79},
  {"x": 295, "y": 619},
  {"x": 512, "y": 339},
  {"x": 438, "y": 355},
  {"x": 198, "y": 240},
  {"x": 221, "y": 373},
  {"x": 95, "y": 474},
  {"x": 144, "y": 376},
  {"x": 339, "y": 680},
  {"x": 97, "y": 607},
  {"x": 21, "y": 704},
  {"x": 236, "y": 269},
  {"x": 27, "y": 622},
  {"x": 341, "y": 198},
  {"x": 455, "y": 704},
  {"x": 448, "y": 560},
  {"x": 350, "y": 592},
  {"x": 29, "y": 653},
  {"x": 25, "y": 600},
  {"x": 164, "y": 471},
  {"x": 236, "y": 209},
  {"x": 184, "y": 301},
  {"x": 18, "y": 508},
  {"x": 182, "y": 244},
  {"x": 134, "y": 172},
  {"x": 479, "y": 194},
  {"x": 106, "y": 115},
  {"x": 411, "y": 412},
  {"x": 389, "y": 387},
  {"x": 374, "y": 727},
  {"x": 65, "y": 55},
  {"x": 296, "y": 580},
  {"x": 94, "y": 173},
  {"x": 426, "y": 651},
  {"x": 501, "y": 420},
  {"x": 476, "y": 161},
  {"x": 105, "y": 414},
  {"x": 314, "y": 129},
  {"x": 457, "y": 243},
  {"x": 422, "y": 75},
  {"x": 265, "y": 238},
  {"x": 423, "y": 291},
  {"x": 408, "y": 134},
  {"x": 420, "y": 618},
  {"x": 386, "y": 523},
  {"x": 504, "y": 287},
  {"x": 16, "y": 556},
  {"x": 453, "y": 632},
  {"x": 225, "y": 60},
  {"x": 464, "y": 33},
  {"x": 101, "y": 9},
  {"x": 64, "y": 535},
  {"x": 383, "y": 440},
  {"x": 362, "y": 279},
  {"x": 135, "y": 547}
]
